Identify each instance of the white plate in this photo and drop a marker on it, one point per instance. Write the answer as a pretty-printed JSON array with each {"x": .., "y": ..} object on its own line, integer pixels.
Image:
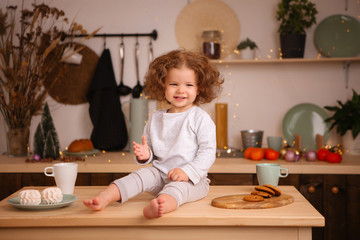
[{"x": 67, "y": 200}]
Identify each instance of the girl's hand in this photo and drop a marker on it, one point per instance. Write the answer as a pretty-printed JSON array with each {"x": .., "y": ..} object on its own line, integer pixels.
[
  {"x": 177, "y": 175},
  {"x": 141, "y": 151}
]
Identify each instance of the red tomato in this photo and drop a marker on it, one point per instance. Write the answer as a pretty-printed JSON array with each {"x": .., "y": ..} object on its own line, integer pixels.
[
  {"x": 257, "y": 154},
  {"x": 333, "y": 157},
  {"x": 271, "y": 154},
  {"x": 321, "y": 154},
  {"x": 247, "y": 152}
]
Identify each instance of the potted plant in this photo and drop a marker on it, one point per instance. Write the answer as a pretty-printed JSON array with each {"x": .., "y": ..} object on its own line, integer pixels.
[
  {"x": 247, "y": 48},
  {"x": 346, "y": 118},
  {"x": 295, "y": 17},
  {"x": 28, "y": 53}
]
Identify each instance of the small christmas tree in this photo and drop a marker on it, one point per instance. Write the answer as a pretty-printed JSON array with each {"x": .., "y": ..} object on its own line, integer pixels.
[
  {"x": 39, "y": 141},
  {"x": 46, "y": 141}
]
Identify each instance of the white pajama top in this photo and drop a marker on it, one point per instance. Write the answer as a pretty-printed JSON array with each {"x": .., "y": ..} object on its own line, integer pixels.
[{"x": 185, "y": 140}]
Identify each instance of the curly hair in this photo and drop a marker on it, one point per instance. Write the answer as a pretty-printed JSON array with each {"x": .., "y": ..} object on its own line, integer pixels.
[{"x": 208, "y": 77}]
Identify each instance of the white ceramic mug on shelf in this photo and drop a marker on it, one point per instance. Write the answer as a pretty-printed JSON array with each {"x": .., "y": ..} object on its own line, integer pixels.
[{"x": 65, "y": 176}]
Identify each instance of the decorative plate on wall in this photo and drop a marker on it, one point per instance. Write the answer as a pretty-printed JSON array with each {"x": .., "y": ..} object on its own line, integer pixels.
[
  {"x": 207, "y": 15},
  {"x": 307, "y": 120},
  {"x": 338, "y": 36}
]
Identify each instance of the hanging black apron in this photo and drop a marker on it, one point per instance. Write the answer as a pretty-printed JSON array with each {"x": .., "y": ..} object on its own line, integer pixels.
[{"x": 110, "y": 132}]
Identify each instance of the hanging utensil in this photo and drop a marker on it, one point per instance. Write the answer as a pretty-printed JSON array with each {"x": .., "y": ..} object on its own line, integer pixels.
[
  {"x": 122, "y": 89},
  {"x": 137, "y": 90},
  {"x": 151, "y": 51}
]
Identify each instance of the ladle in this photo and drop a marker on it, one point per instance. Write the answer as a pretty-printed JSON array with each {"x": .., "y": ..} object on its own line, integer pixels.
[
  {"x": 122, "y": 89},
  {"x": 137, "y": 90},
  {"x": 151, "y": 52}
]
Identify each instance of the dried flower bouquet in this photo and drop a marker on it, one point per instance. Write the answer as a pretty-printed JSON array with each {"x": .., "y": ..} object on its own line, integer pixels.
[{"x": 28, "y": 53}]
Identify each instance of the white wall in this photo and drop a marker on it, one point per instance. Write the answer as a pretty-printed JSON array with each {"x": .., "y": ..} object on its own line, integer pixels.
[{"x": 258, "y": 95}]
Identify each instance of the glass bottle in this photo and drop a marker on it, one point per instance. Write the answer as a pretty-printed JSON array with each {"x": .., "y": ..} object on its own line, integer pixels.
[{"x": 211, "y": 44}]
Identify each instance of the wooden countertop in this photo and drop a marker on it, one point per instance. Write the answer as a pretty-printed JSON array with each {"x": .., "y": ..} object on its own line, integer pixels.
[
  {"x": 117, "y": 162},
  {"x": 200, "y": 213}
]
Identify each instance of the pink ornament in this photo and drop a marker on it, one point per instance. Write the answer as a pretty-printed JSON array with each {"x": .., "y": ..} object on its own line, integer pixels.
[{"x": 37, "y": 157}]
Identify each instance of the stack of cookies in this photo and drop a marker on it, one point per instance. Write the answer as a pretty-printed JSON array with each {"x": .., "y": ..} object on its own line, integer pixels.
[{"x": 262, "y": 192}]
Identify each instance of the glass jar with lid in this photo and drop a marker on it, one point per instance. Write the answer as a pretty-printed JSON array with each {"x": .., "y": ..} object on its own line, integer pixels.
[{"x": 211, "y": 44}]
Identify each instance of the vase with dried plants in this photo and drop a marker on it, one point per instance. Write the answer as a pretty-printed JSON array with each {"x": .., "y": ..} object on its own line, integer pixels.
[{"x": 28, "y": 53}]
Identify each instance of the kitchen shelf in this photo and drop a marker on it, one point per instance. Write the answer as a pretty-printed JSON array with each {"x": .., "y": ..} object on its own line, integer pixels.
[
  {"x": 346, "y": 61},
  {"x": 288, "y": 60}
]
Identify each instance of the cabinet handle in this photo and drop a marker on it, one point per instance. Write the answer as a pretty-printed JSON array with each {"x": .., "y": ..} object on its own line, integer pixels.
[
  {"x": 311, "y": 189},
  {"x": 335, "y": 190}
]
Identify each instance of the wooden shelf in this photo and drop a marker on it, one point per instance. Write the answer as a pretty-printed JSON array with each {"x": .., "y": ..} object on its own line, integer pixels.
[{"x": 288, "y": 60}]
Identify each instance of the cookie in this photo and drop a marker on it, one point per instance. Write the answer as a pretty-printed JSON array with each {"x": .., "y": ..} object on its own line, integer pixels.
[
  {"x": 262, "y": 194},
  {"x": 253, "y": 198},
  {"x": 275, "y": 189},
  {"x": 265, "y": 189}
]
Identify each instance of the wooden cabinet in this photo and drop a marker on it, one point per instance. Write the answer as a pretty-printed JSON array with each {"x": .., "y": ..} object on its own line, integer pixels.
[
  {"x": 311, "y": 187},
  {"x": 336, "y": 197},
  {"x": 353, "y": 207}
]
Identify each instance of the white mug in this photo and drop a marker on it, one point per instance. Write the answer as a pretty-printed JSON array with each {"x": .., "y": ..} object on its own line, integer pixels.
[
  {"x": 269, "y": 173},
  {"x": 65, "y": 176}
]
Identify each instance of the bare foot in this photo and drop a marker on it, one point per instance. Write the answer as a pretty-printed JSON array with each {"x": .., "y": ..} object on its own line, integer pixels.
[
  {"x": 100, "y": 201},
  {"x": 155, "y": 209},
  {"x": 96, "y": 203}
]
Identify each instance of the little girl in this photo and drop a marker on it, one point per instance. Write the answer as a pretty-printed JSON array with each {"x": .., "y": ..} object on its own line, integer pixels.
[{"x": 180, "y": 142}]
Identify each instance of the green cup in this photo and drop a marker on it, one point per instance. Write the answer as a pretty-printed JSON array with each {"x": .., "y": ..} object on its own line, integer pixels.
[
  {"x": 275, "y": 142},
  {"x": 139, "y": 114},
  {"x": 269, "y": 173},
  {"x": 138, "y": 117}
]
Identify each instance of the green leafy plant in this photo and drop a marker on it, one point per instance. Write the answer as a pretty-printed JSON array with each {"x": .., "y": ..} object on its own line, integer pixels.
[
  {"x": 346, "y": 116},
  {"x": 296, "y": 16},
  {"x": 248, "y": 43}
]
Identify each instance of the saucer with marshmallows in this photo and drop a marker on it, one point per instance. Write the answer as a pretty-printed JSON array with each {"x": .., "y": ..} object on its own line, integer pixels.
[{"x": 48, "y": 198}]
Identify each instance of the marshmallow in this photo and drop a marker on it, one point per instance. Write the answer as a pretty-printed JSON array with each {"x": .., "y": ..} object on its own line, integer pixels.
[
  {"x": 52, "y": 195},
  {"x": 30, "y": 197}
]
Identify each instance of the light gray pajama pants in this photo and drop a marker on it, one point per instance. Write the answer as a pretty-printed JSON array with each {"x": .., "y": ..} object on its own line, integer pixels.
[{"x": 151, "y": 180}]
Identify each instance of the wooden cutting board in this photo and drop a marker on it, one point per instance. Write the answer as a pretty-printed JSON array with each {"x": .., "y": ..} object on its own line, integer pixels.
[{"x": 237, "y": 202}]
